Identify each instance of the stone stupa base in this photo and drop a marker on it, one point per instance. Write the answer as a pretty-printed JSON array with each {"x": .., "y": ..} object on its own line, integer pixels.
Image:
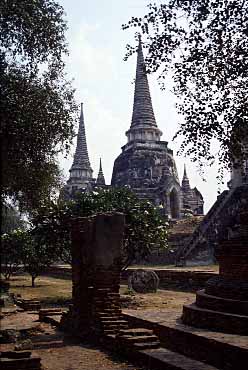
[
  {"x": 223, "y": 305},
  {"x": 217, "y": 313}
]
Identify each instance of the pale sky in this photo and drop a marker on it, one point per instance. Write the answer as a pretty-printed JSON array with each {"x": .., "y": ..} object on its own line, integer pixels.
[{"x": 104, "y": 83}]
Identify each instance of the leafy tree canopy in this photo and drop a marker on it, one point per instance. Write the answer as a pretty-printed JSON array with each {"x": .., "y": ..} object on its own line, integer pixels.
[
  {"x": 11, "y": 251},
  {"x": 36, "y": 255},
  {"x": 204, "y": 44},
  {"x": 145, "y": 228},
  {"x": 10, "y": 218},
  {"x": 23, "y": 249},
  {"x": 38, "y": 110}
]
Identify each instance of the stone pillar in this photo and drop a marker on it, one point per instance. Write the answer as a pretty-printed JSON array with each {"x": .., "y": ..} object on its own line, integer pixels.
[
  {"x": 96, "y": 266},
  {"x": 223, "y": 305}
]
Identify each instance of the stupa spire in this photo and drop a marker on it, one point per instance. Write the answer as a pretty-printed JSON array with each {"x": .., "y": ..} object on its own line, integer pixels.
[
  {"x": 185, "y": 180},
  {"x": 81, "y": 157},
  {"x": 185, "y": 176},
  {"x": 100, "y": 178},
  {"x": 142, "y": 106}
]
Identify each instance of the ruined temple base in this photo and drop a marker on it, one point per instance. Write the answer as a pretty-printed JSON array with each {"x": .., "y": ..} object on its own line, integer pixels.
[
  {"x": 223, "y": 305},
  {"x": 222, "y": 350},
  {"x": 217, "y": 313}
]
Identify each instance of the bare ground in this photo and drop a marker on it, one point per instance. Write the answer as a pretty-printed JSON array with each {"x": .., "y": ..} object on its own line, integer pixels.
[
  {"x": 52, "y": 291},
  {"x": 59, "y": 352}
]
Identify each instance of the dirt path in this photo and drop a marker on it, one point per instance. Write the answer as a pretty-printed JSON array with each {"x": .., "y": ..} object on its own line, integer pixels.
[{"x": 59, "y": 351}]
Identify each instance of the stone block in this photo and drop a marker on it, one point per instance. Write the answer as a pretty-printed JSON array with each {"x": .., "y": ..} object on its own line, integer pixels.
[{"x": 143, "y": 281}]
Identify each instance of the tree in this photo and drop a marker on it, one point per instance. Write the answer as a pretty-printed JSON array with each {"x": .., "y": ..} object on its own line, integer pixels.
[
  {"x": 23, "y": 248},
  {"x": 36, "y": 256},
  {"x": 145, "y": 228},
  {"x": 204, "y": 44},
  {"x": 10, "y": 218},
  {"x": 11, "y": 251},
  {"x": 38, "y": 110}
]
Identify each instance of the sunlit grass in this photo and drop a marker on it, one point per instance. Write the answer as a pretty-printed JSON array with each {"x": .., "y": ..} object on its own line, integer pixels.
[
  {"x": 47, "y": 289},
  {"x": 187, "y": 268}
]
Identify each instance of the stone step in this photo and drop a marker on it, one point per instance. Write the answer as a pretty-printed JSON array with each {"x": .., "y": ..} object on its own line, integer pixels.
[
  {"x": 119, "y": 322},
  {"x": 32, "y": 363},
  {"x": 107, "y": 296},
  {"x": 136, "y": 332},
  {"x": 215, "y": 320},
  {"x": 107, "y": 305},
  {"x": 146, "y": 345},
  {"x": 109, "y": 317},
  {"x": 114, "y": 295},
  {"x": 106, "y": 301},
  {"x": 139, "y": 338},
  {"x": 47, "y": 344},
  {"x": 54, "y": 319},
  {"x": 208, "y": 301},
  {"x": 102, "y": 291},
  {"x": 225, "y": 351},
  {"x": 115, "y": 326},
  {"x": 164, "y": 359},
  {"x": 49, "y": 310},
  {"x": 15, "y": 354},
  {"x": 52, "y": 313},
  {"x": 110, "y": 331},
  {"x": 110, "y": 311},
  {"x": 45, "y": 338}
]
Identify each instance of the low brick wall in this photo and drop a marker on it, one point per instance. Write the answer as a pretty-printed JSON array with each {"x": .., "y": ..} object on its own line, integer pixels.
[
  {"x": 168, "y": 277},
  {"x": 174, "y": 277}
]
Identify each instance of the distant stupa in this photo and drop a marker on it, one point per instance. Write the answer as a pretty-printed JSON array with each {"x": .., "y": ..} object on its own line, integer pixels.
[{"x": 146, "y": 164}]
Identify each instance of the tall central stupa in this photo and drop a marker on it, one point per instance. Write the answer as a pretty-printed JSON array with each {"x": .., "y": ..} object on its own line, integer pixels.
[{"x": 146, "y": 164}]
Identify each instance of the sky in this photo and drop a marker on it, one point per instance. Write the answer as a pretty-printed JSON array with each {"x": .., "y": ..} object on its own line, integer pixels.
[{"x": 104, "y": 83}]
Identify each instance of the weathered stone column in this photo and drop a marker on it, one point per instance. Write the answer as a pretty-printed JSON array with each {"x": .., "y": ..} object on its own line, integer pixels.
[
  {"x": 223, "y": 305},
  {"x": 96, "y": 266}
]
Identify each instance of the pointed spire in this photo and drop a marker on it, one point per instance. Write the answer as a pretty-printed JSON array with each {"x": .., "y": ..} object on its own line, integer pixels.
[
  {"x": 185, "y": 176},
  {"x": 100, "y": 178},
  {"x": 81, "y": 157},
  {"x": 185, "y": 180},
  {"x": 142, "y": 106}
]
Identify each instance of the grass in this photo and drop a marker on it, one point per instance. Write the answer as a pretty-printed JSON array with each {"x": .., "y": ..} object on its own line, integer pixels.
[
  {"x": 57, "y": 292},
  {"x": 48, "y": 290},
  {"x": 173, "y": 267}
]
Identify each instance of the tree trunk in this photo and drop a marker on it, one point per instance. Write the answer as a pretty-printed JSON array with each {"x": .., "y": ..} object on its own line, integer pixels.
[{"x": 33, "y": 279}]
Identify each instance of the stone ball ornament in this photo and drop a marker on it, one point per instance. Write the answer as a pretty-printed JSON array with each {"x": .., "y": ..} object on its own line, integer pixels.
[{"x": 143, "y": 281}]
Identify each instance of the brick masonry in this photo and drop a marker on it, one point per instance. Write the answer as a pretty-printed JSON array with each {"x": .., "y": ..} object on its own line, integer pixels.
[
  {"x": 223, "y": 305},
  {"x": 96, "y": 265}
]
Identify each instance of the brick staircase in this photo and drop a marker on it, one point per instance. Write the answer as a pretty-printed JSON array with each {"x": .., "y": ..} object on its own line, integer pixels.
[
  {"x": 108, "y": 322},
  {"x": 138, "y": 339},
  {"x": 205, "y": 228},
  {"x": 186, "y": 347},
  {"x": 107, "y": 317}
]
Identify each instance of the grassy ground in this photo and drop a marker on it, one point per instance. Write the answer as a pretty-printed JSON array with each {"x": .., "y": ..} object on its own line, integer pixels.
[
  {"x": 47, "y": 289},
  {"x": 167, "y": 267},
  {"x": 53, "y": 291},
  {"x": 173, "y": 267}
]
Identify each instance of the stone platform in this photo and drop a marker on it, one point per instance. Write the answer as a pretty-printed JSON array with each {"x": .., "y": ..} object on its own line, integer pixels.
[
  {"x": 224, "y": 351},
  {"x": 218, "y": 313}
]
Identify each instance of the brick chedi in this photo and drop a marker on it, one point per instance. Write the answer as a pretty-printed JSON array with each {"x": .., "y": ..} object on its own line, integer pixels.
[
  {"x": 192, "y": 198},
  {"x": 100, "y": 181},
  {"x": 146, "y": 164},
  {"x": 223, "y": 305},
  {"x": 81, "y": 171}
]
